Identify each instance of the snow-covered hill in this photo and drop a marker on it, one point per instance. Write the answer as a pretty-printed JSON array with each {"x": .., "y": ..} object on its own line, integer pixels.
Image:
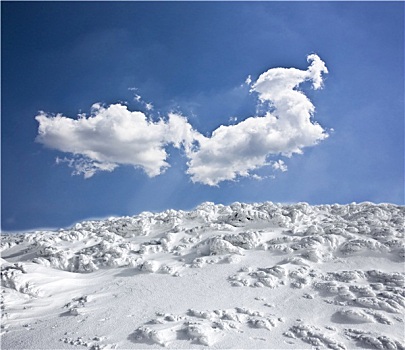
[{"x": 240, "y": 276}]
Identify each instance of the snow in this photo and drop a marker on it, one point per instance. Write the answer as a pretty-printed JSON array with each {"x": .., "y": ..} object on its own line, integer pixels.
[{"x": 249, "y": 276}]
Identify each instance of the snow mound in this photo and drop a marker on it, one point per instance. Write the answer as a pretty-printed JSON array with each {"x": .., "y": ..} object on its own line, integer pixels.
[
  {"x": 202, "y": 327},
  {"x": 314, "y": 336},
  {"x": 373, "y": 340}
]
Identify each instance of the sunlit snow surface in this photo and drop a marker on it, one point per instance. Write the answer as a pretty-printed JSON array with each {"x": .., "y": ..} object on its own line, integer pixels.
[{"x": 239, "y": 276}]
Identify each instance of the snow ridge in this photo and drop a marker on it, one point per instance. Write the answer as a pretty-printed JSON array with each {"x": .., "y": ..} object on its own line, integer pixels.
[{"x": 343, "y": 229}]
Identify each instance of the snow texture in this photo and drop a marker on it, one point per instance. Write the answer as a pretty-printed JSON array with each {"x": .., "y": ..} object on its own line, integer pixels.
[{"x": 259, "y": 275}]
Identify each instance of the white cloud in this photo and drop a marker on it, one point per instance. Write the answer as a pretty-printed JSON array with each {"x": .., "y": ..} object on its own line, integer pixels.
[
  {"x": 233, "y": 120},
  {"x": 279, "y": 165},
  {"x": 138, "y": 98},
  {"x": 237, "y": 150},
  {"x": 85, "y": 166},
  {"x": 113, "y": 136}
]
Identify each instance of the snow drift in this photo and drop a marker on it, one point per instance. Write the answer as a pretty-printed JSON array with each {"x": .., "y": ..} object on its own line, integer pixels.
[{"x": 245, "y": 275}]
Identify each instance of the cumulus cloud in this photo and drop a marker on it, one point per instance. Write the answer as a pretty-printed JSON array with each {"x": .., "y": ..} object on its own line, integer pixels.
[
  {"x": 113, "y": 135},
  {"x": 285, "y": 129}
]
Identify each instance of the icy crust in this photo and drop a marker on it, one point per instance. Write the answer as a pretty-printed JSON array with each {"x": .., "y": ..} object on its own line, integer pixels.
[
  {"x": 202, "y": 327},
  {"x": 300, "y": 229},
  {"x": 325, "y": 338},
  {"x": 315, "y": 336},
  {"x": 373, "y": 340},
  {"x": 14, "y": 276},
  {"x": 373, "y": 290}
]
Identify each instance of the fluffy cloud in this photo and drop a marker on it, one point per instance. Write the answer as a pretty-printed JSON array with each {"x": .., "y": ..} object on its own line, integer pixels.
[
  {"x": 237, "y": 150},
  {"x": 114, "y": 136},
  {"x": 279, "y": 165}
]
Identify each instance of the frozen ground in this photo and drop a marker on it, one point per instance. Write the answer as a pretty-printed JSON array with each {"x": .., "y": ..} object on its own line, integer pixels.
[{"x": 262, "y": 276}]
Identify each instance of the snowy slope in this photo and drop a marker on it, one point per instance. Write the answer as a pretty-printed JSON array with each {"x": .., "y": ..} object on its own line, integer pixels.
[{"x": 240, "y": 276}]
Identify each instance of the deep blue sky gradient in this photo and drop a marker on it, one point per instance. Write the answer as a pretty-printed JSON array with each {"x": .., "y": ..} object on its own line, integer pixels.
[{"x": 193, "y": 57}]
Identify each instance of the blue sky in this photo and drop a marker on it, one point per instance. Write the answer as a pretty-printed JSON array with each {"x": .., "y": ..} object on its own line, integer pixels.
[{"x": 191, "y": 60}]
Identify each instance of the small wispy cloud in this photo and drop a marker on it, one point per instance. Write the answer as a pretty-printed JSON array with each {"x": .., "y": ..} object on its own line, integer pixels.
[
  {"x": 233, "y": 120},
  {"x": 138, "y": 98},
  {"x": 85, "y": 166},
  {"x": 112, "y": 136},
  {"x": 279, "y": 165}
]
